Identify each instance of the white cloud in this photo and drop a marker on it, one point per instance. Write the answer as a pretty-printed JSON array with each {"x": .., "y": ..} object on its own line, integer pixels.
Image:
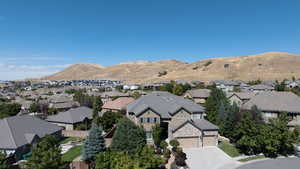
[{"x": 14, "y": 71}]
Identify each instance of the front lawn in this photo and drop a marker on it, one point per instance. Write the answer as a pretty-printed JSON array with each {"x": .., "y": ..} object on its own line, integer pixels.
[
  {"x": 68, "y": 139},
  {"x": 229, "y": 149},
  {"x": 252, "y": 158},
  {"x": 72, "y": 154}
]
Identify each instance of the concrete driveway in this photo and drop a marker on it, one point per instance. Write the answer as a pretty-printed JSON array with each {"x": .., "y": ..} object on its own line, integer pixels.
[
  {"x": 209, "y": 158},
  {"x": 279, "y": 163}
]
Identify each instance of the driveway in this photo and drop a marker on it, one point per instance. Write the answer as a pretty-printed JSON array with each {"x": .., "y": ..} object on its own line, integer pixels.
[
  {"x": 209, "y": 158},
  {"x": 279, "y": 163}
]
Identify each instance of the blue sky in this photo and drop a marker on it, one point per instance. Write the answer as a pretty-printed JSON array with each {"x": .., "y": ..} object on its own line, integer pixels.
[{"x": 39, "y": 37}]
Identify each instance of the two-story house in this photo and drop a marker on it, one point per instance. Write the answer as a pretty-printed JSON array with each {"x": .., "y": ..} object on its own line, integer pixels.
[{"x": 181, "y": 119}]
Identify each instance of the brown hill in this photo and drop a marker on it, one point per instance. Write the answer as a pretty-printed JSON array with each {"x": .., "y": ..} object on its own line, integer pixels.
[{"x": 266, "y": 66}]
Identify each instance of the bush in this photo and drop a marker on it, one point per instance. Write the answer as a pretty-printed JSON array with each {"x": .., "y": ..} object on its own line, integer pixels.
[
  {"x": 208, "y": 63},
  {"x": 163, "y": 145},
  {"x": 174, "y": 143},
  {"x": 167, "y": 153},
  {"x": 180, "y": 158}
]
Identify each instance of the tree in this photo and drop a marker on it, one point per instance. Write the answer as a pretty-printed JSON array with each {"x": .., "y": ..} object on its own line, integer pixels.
[
  {"x": 109, "y": 119},
  {"x": 213, "y": 102},
  {"x": 93, "y": 144},
  {"x": 278, "y": 139},
  {"x": 97, "y": 106},
  {"x": 128, "y": 137},
  {"x": 9, "y": 109},
  {"x": 248, "y": 135},
  {"x": 114, "y": 160},
  {"x": 47, "y": 155},
  {"x": 33, "y": 107},
  {"x": 178, "y": 89},
  {"x": 145, "y": 158},
  {"x": 229, "y": 128},
  {"x": 280, "y": 86},
  {"x": 156, "y": 134},
  {"x": 3, "y": 162},
  {"x": 136, "y": 95}
]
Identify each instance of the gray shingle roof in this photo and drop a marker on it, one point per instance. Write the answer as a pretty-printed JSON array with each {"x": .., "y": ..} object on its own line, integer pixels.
[
  {"x": 201, "y": 124},
  {"x": 275, "y": 101},
  {"x": 261, "y": 87},
  {"x": 163, "y": 103},
  {"x": 242, "y": 95},
  {"x": 72, "y": 116},
  {"x": 200, "y": 93},
  {"x": 17, "y": 131}
]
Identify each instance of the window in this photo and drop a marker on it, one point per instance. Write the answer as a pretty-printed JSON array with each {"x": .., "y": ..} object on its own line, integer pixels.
[
  {"x": 148, "y": 119},
  {"x": 142, "y": 120},
  {"x": 196, "y": 116},
  {"x": 154, "y": 120}
]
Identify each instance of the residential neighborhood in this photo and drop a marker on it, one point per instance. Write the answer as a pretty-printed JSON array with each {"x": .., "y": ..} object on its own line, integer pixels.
[
  {"x": 149, "y": 84},
  {"x": 195, "y": 121}
]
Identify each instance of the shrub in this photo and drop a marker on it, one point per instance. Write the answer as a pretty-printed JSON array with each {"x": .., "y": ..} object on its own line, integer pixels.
[
  {"x": 163, "y": 145},
  {"x": 167, "y": 153},
  {"x": 208, "y": 63},
  {"x": 174, "y": 143}
]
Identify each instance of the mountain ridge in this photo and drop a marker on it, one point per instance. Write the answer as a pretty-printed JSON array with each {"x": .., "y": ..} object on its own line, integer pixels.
[{"x": 264, "y": 66}]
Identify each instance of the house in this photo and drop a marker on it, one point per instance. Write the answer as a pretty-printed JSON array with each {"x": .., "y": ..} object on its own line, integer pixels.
[
  {"x": 199, "y": 96},
  {"x": 226, "y": 85},
  {"x": 292, "y": 84},
  {"x": 240, "y": 98},
  {"x": 62, "y": 102},
  {"x": 19, "y": 133},
  {"x": 171, "y": 113},
  {"x": 70, "y": 119},
  {"x": 273, "y": 103},
  {"x": 108, "y": 96},
  {"x": 117, "y": 105},
  {"x": 261, "y": 88}
]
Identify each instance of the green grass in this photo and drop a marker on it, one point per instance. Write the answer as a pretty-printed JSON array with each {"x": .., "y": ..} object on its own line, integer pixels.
[
  {"x": 67, "y": 139},
  {"x": 72, "y": 154},
  {"x": 229, "y": 149},
  {"x": 252, "y": 158}
]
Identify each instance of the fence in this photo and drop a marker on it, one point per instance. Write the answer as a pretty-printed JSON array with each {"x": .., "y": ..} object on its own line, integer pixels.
[{"x": 74, "y": 133}]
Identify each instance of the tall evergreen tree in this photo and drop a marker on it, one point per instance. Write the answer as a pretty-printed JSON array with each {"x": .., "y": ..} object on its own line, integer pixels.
[
  {"x": 128, "y": 137},
  {"x": 97, "y": 106},
  {"x": 94, "y": 143},
  {"x": 213, "y": 102},
  {"x": 47, "y": 155}
]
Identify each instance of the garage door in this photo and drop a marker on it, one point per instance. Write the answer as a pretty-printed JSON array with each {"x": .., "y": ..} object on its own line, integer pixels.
[
  {"x": 209, "y": 141},
  {"x": 188, "y": 142}
]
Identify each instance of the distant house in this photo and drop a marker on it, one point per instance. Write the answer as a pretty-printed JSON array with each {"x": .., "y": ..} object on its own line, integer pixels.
[
  {"x": 292, "y": 84},
  {"x": 62, "y": 102},
  {"x": 108, "y": 96},
  {"x": 274, "y": 103},
  {"x": 181, "y": 118},
  {"x": 240, "y": 98},
  {"x": 199, "y": 96},
  {"x": 261, "y": 88},
  {"x": 226, "y": 85},
  {"x": 70, "y": 119},
  {"x": 117, "y": 105},
  {"x": 19, "y": 133}
]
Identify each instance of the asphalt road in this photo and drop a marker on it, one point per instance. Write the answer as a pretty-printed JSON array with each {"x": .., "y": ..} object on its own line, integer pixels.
[{"x": 280, "y": 163}]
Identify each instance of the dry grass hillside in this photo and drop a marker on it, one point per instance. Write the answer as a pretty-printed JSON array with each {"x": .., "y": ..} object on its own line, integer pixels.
[{"x": 266, "y": 66}]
